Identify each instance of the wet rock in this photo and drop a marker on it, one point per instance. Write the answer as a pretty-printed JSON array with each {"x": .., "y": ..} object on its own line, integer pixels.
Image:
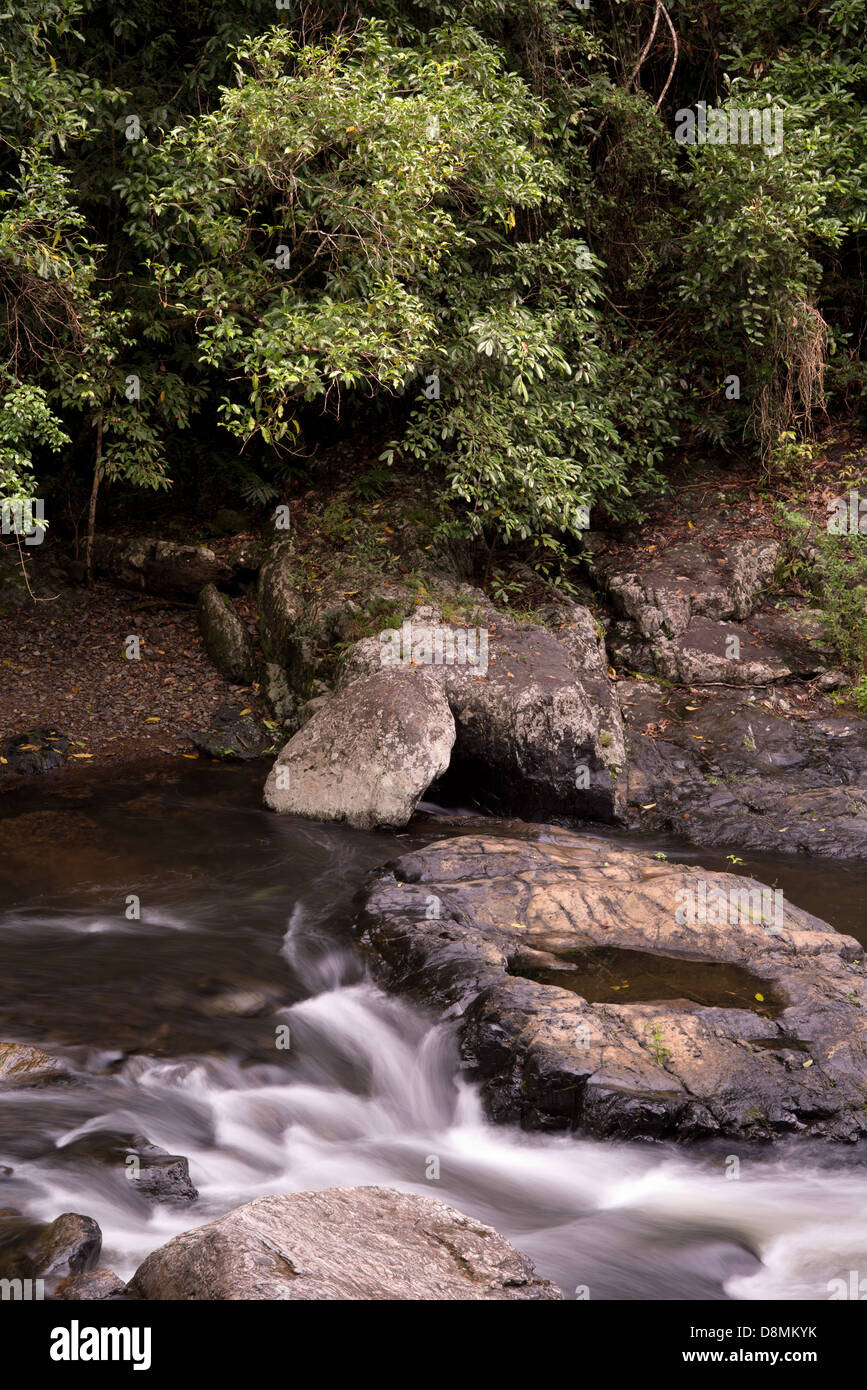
[
  {"x": 97, "y": 1285},
  {"x": 225, "y": 636},
  {"x": 157, "y": 1174},
  {"x": 34, "y": 752},
  {"x": 234, "y": 736},
  {"x": 159, "y": 566},
  {"x": 368, "y": 755},
  {"x": 731, "y": 768},
  {"x": 481, "y": 926},
  {"x": 365, "y": 1243},
  {"x": 22, "y": 1065},
  {"x": 29, "y": 1249}
]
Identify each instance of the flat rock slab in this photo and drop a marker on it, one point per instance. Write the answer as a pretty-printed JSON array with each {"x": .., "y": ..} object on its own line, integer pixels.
[
  {"x": 464, "y": 922},
  {"x": 728, "y": 768},
  {"x": 362, "y": 1243}
]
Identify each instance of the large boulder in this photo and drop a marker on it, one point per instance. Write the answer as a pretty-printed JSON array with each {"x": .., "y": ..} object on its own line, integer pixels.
[
  {"x": 538, "y": 726},
  {"x": 368, "y": 755},
  {"x": 369, "y": 1243},
  {"x": 608, "y": 991},
  {"x": 226, "y": 638}
]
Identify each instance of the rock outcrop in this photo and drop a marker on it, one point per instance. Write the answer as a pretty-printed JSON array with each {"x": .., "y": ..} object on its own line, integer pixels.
[
  {"x": 745, "y": 768},
  {"x": 604, "y": 990},
  {"x": 363, "y": 1243}
]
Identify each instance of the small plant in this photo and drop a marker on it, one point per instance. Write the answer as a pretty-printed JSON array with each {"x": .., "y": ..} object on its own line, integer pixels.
[{"x": 656, "y": 1043}]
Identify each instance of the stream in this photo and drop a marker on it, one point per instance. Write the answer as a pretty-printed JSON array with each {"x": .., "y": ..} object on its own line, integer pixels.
[{"x": 169, "y": 1023}]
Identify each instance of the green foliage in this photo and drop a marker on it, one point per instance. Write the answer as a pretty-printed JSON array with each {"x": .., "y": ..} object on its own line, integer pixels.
[
  {"x": 322, "y": 217},
  {"x": 836, "y": 566}
]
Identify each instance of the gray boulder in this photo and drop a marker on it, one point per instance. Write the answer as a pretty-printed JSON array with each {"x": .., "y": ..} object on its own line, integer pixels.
[
  {"x": 538, "y": 726},
  {"x": 368, "y": 755},
  {"x": 363, "y": 1243}
]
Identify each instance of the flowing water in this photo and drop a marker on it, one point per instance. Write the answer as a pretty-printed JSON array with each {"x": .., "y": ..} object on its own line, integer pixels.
[{"x": 169, "y": 1023}]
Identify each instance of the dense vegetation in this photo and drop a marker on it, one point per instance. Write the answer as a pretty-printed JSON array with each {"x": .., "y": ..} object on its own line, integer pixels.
[{"x": 463, "y": 230}]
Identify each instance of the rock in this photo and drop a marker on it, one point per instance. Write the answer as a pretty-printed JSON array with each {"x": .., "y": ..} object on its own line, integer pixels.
[
  {"x": 33, "y": 752},
  {"x": 663, "y": 594},
  {"x": 96, "y": 1285},
  {"x": 278, "y": 697},
  {"x": 31, "y": 1249},
  {"x": 233, "y": 737},
  {"x": 363, "y": 1243},
  {"x": 833, "y": 680},
  {"x": 538, "y": 727},
  {"x": 727, "y": 768},
  {"x": 22, "y": 1065},
  {"x": 590, "y": 996},
  {"x": 369, "y": 755},
  {"x": 280, "y": 600},
  {"x": 159, "y": 1175},
  {"x": 159, "y": 566},
  {"x": 226, "y": 638}
]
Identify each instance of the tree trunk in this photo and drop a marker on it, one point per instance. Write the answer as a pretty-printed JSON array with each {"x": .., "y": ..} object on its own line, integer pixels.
[{"x": 91, "y": 515}]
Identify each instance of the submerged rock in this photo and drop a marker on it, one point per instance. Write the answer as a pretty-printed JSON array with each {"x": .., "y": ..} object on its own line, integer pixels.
[
  {"x": 597, "y": 991},
  {"x": 369, "y": 1243},
  {"x": 95, "y": 1286},
  {"x": 368, "y": 755}
]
